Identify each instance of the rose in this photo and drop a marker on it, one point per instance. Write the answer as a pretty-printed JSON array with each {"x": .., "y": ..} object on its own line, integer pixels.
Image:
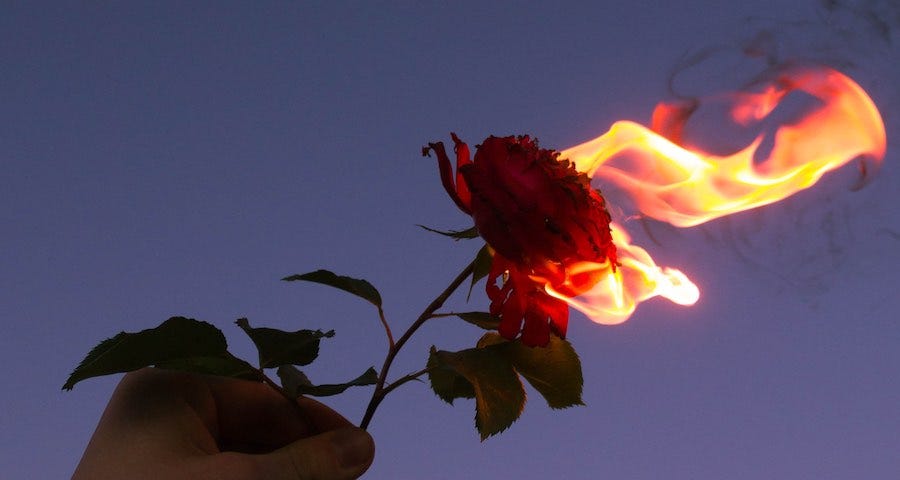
[{"x": 542, "y": 218}]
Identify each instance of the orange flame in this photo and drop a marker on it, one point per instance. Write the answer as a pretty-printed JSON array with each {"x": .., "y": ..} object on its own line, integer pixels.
[
  {"x": 687, "y": 187},
  {"x": 614, "y": 298}
]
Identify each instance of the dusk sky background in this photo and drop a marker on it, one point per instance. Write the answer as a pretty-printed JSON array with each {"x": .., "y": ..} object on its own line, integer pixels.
[{"x": 179, "y": 158}]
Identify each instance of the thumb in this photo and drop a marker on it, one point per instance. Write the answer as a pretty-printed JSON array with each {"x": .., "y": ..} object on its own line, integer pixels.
[{"x": 335, "y": 455}]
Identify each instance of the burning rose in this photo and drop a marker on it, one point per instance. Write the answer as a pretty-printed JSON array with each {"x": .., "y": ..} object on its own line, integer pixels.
[
  {"x": 551, "y": 246},
  {"x": 541, "y": 217}
]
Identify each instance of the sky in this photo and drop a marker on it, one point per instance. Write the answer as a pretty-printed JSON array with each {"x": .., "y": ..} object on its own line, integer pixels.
[{"x": 180, "y": 158}]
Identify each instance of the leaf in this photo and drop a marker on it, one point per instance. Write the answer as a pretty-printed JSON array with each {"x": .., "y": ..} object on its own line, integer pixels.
[
  {"x": 446, "y": 382},
  {"x": 455, "y": 234},
  {"x": 490, "y": 339},
  {"x": 182, "y": 342},
  {"x": 292, "y": 378},
  {"x": 298, "y": 384},
  {"x": 554, "y": 371},
  {"x": 480, "y": 319},
  {"x": 369, "y": 377},
  {"x": 358, "y": 287},
  {"x": 482, "y": 267},
  {"x": 277, "y": 347},
  {"x": 227, "y": 366},
  {"x": 499, "y": 396}
]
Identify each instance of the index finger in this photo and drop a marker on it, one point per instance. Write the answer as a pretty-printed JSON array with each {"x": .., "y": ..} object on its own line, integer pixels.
[{"x": 252, "y": 413}]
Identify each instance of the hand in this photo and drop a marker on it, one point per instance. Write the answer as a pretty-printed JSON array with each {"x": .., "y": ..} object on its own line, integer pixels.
[{"x": 169, "y": 425}]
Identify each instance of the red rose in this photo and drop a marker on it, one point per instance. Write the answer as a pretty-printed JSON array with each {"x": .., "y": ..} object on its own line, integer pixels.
[{"x": 541, "y": 217}]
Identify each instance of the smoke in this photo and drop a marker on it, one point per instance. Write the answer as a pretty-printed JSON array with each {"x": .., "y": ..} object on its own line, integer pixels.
[{"x": 878, "y": 19}]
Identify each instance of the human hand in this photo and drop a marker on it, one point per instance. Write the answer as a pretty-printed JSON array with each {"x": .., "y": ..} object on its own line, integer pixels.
[{"x": 169, "y": 425}]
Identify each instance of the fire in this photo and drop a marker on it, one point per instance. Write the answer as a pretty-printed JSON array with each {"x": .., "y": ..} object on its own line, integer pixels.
[
  {"x": 686, "y": 186},
  {"x": 614, "y": 298}
]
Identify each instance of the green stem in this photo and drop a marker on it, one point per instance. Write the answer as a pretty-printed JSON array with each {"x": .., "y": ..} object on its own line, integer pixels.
[
  {"x": 380, "y": 389},
  {"x": 404, "y": 379},
  {"x": 387, "y": 328}
]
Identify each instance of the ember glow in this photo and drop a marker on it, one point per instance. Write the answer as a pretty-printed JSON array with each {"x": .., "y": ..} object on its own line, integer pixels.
[{"x": 685, "y": 186}]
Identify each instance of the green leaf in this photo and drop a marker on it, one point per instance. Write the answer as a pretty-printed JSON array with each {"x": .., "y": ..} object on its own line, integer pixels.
[
  {"x": 277, "y": 347},
  {"x": 499, "y": 396},
  {"x": 182, "y": 342},
  {"x": 554, "y": 371},
  {"x": 482, "y": 267},
  {"x": 292, "y": 378},
  {"x": 298, "y": 384},
  {"x": 493, "y": 338},
  {"x": 455, "y": 234},
  {"x": 227, "y": 366},
  {"x": 480, "y": 319},
  {"x": 446, "y": 382},
  {"x": 358, "y": 287}
]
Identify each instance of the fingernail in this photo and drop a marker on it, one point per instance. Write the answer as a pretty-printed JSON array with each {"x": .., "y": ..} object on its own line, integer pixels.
[{"x": 354, "y": 447}]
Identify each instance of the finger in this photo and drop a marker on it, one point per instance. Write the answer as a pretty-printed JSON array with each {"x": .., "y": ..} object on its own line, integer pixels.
[
  {"x": 340, "y": 454},
  {"x": 250, "y": 413},
  {"x": 234, "y": 414},
  {"x": 253, "y": 413},
  {"x": 159, "y": 412},
  {"x": 322, "y": 417}
]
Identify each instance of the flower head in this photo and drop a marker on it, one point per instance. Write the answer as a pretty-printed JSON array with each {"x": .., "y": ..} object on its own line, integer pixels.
[{"x": 541, "y": 217}]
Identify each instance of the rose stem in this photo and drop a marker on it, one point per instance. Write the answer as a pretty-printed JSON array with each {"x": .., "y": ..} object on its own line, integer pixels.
[{"x": 380, "y": 390}]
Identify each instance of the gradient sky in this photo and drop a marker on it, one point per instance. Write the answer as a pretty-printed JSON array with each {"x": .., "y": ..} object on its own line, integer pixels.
[{"x": 179, "y": 159}]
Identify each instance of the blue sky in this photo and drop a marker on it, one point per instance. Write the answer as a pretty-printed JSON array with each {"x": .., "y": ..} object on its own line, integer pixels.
[{"x": 179, "y": 159}]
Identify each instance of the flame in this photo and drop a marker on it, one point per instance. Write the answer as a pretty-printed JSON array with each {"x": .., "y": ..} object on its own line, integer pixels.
[
  {"x": 614, "y": 298},
  {"x": 686, "y": 186}
]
